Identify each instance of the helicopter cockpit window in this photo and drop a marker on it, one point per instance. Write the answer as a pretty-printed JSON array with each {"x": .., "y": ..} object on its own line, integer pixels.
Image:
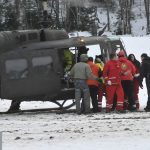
[
  {"x": 42, "y": 65},
  {"x": 17, "y": 68}
]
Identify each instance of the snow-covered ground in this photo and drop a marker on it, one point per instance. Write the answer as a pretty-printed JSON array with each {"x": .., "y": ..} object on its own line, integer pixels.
[
  {"x": 44, "y": 131},
  {"x": 72, "y": 132}
]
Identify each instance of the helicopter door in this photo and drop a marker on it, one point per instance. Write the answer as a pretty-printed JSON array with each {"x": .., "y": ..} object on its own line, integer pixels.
[{"x": 33, "y": 75}]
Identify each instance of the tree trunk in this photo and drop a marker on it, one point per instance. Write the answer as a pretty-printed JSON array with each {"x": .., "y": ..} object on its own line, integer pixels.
[
  {"x": 146, "y": 2},
  {"x": 125, "y": 7},
  {"x": 108, "y": 17}
]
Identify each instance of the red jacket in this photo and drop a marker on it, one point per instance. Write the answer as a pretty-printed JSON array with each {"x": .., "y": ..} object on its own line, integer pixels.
[
  {"x": 95, "y": 71},
  {"x": 128, "y": 69},
  {"x": 112, "y": 71}
]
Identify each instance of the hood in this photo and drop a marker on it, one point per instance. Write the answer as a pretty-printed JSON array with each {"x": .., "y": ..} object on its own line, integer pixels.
[{"x": 84, "y": 58}]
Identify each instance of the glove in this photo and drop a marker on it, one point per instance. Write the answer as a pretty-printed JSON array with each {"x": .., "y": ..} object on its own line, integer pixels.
[
  {"x": 100, "y": 80},
  {"x": 109, "y": 82},
  {"x": 136, "y": 75}
]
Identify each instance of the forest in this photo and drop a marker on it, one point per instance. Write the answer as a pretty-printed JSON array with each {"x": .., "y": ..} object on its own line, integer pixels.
[{"x": 71, "y": 15}]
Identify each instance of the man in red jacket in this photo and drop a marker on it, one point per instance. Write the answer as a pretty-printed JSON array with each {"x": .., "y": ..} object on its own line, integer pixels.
[
  {"x": 128, "y": 72},
  {"x": 93, "y": 84},
  {"x": 112, "y": 76}
]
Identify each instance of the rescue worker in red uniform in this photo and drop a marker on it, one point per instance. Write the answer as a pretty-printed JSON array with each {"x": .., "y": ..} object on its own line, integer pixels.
[
  {"x": 112, "y": 76},
  {"x": 128, "y": 72},
  {"x": 137, "y": 65},
  {"x": 93, "y": 84}
]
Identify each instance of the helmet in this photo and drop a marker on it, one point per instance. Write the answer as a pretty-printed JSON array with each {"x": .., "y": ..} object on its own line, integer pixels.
[
  {"x": 98, "y": 60},
  {"x": 121, "y": 53},
  {"x": 84, "y": 58}
]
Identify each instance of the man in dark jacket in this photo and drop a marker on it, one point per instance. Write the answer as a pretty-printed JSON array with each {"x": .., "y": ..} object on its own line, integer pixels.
[{"x": 145, "y": 73}]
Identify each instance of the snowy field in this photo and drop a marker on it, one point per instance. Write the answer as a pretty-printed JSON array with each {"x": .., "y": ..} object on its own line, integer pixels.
[
  {"x": 72, "y": 132},
  {"x": 50, "y": 131}
]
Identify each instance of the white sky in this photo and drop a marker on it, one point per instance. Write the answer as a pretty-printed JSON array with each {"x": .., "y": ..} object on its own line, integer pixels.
[{"x": 137, "y": 45}]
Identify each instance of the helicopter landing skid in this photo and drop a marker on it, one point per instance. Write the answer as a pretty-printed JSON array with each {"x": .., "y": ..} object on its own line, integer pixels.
[{"x": 60, "y": 109}]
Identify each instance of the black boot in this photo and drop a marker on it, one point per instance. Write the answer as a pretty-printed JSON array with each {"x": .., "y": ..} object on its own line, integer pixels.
[
  {"x": 147, "y": 109},
  {"x": 132, "y": 108}
]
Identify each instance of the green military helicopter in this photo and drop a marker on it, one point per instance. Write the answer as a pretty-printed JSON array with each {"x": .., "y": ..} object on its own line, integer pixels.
[{"x": 32, "y": 64}]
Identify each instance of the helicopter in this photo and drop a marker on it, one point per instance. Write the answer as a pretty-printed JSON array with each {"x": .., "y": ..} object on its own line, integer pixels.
[{"x": 32, "y": 64}]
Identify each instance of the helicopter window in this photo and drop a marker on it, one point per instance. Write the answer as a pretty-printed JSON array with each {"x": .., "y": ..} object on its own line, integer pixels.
[
  {"x": 16, "y": 69},
  {"x": 32, "y": 36},
  {"x": 42, "y": 65}
]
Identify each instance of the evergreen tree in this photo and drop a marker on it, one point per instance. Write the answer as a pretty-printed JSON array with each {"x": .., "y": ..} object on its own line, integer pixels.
[
  {"x": 82, "y": 18},
  {"x": 9, "y": 21}
]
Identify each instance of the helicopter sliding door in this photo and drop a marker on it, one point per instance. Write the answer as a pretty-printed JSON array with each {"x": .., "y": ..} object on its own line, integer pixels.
[{"x": 31, "y": 75}]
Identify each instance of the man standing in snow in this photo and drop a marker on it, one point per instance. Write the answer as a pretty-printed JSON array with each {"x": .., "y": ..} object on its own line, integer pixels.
[
  {"x": 128, "y": 72},
  {"x": 145, "y": 73},
  {"x": 81, "y": 72},
  {"x": 112, "y": 76},
  {"x": 93, "y": 84}
]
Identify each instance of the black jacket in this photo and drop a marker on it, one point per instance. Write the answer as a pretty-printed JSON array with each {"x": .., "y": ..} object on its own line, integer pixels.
[{"x": 145, "y": 68}]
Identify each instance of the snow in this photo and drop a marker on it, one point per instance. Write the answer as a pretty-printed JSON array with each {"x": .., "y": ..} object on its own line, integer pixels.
[{"x": 70, "y": 131}]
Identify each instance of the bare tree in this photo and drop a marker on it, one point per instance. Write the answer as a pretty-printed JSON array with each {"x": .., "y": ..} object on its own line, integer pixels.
[
  {"x": 125, "y": 15},
  {"x": 107, "y": 3},
  {"x": 147, "y": 2}
]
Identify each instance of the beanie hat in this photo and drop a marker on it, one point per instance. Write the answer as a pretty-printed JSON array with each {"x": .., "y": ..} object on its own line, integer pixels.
[{"x": 144, "y": 55}]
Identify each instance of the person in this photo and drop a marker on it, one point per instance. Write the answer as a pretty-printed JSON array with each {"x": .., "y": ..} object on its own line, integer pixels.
[
  {"x": 137, "y": 65},
  {"x": 93, "y": 84},
  {"x": 68, "y": 60},
  {"x": 128, "y": 72},
  {"x": 101, "y": 88},
  {"x": 112, "y": 76},
  {"x": 81, "y": 50},
  {"x": 81, "y": 72},
  {"x": 145, "y": 73}
]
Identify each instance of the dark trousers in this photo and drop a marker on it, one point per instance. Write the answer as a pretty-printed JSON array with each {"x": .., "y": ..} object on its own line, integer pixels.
[
  {"x": 148, "y": 92},
  {"x": 93, "y": 93},
  {"x": 127, "y": 86}
]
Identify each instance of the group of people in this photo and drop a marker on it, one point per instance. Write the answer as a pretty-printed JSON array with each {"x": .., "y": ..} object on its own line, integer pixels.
[{"x": 118, "y": 79}]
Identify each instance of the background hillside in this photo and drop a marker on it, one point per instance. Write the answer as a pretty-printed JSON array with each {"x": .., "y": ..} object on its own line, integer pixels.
[{"x": 96, "y": 16}]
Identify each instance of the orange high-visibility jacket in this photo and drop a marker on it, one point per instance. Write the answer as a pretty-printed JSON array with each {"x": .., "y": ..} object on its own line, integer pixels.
[{"x": 95, "y": 71}]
